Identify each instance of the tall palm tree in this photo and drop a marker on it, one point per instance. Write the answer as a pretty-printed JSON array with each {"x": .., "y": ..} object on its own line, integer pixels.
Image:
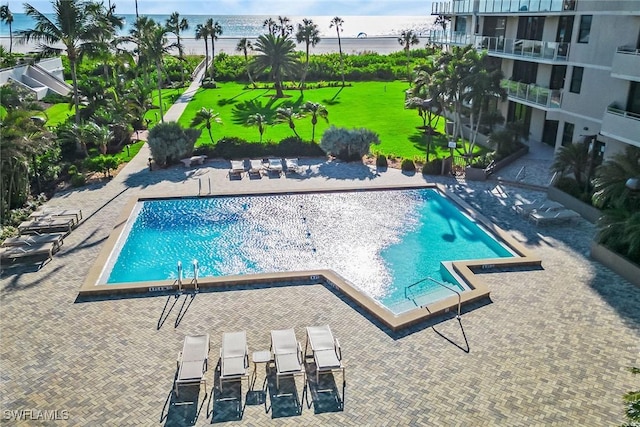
[
  {"x": 244, "y": 46},
  {"x": 407, "y": 39},
  {"x": 206, "y": 117},
  {"x": 288, "y": 115},
  {"x": 611, "y": 178},
  {"x": 137, "y": 14},
  {"x": 316, "y": 110},
  {"x": 277, "y": 54},
  {"x": 7, "y": 17},
  {"x": 338, "y": 22},
  {"x": 138, "y": 34},
  {"x": 308, "y": 33},
  {"x": 270, "y": 25},
  {"x": 573, "y": 158},
  {"x": 215, "y": 30},
  {"x": 105, "y": 43},
  {"x": 258, "y": 120},
  {"x": 71, "y": 26},
  {"x": 202, "y": 32},
  {"x": 175, "y": 25},
  {"x": 285, "y": 27}
]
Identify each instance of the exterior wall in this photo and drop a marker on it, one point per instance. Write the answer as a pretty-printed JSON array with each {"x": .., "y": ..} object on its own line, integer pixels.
[{"x": 537, "y": 124}]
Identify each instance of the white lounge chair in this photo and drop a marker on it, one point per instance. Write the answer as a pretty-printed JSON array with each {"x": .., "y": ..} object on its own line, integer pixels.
[
  {"x": 30, "y": 240},
  {"x": 327, "y": 353},
  {"x": 193, "y": 361},
  {"x": 234, "y": 357},
  {"x": 547, "y": 217},
  {"x": 275, "y": 165},
  {"x": 237, "y": 168},
  {"x": 292, "y": 165},
  {"x": 545, "y": 205},
  {"x": 287, "y": 354},
  {"x": 255, "y": 167}
]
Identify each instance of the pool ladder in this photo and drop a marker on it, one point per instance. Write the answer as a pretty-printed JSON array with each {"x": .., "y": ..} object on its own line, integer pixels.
[
  {"x": 406, "y": 289},
  {"x": 194, "y": 281}
]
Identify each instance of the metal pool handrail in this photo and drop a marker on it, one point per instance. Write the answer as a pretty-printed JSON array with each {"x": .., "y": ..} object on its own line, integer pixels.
[
  {"x": 180, "y": 276},
  {"x": 437, "y": 283},
  {"x": 196, "y": 269}
]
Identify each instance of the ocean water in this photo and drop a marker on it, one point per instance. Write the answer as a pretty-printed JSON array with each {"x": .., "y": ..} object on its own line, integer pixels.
[{"x": 251, "y": 26}]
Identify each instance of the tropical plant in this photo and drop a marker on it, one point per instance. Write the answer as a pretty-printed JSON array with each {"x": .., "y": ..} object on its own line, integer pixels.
[
  {"x": 572, "y": 159},
  {"x": 175, "y": 24},
  {"x": 215, "y": 30},
  {"x": 271, "y": 26},
  {"x": 244, "y": 46},
  {"x": 76, "y": 134},
  {"x": 632, "y": 399},
  {"x": 258, "y": 120},
  {"x": 308, "y": 33},
  {"x": 348, "y": 144},
  {"x": 284, "y": 26},
  {"x": 206, "y": 117},
  {"x": 277, "y": 54},
  {"x": 7, "y": 18},
  {"x": 100, "y": 136},
  {"x": 169, "y": 142},
  {"x": 202, "y": 32},
  {"x": 407, "y": 39},
  {"x": 288, "y": 115},
  {"x": 611, "y": 177},
  {"x": 443, "y": 21},
  {"x": 316, "y": 110},
  {"x": 72, "y": 26},
  {"x": 338, "y": 22}
]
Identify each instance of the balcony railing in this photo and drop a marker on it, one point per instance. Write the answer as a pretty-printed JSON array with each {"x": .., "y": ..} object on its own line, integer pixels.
[
  {"x": 621, "y": 124},
  {"x": 628, "y": 50},
  {"x": 614, "y": 109},
  {"x": 538, "y": 95},
  {"x": 525, "y": 6},
  {"x": 553, "y": 51},
  {"x": 441, "y": 8},
  {"x": 626, "y": 63}
]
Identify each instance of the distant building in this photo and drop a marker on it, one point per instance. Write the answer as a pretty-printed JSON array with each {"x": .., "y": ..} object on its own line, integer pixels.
[{"x": 572, "y": 67}]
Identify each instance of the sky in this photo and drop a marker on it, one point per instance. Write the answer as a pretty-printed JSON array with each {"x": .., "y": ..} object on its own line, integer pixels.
[{"x": 259, "y": 7}]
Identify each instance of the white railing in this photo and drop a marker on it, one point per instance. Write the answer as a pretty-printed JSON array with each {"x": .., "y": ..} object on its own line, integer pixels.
[
  {"x": 628, "y": 50},
  {"x": 550, "y": 98},
  {"x": 612, "y": 109},
  {"x": 525, "y": 6}
]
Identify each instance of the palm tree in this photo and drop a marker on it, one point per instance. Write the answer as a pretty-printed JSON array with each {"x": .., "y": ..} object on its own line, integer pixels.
[
  {"x": 288, "y": 115},
  {"x": 407, "y": 39},
  {"x": 308, "y": 33},
  {"x": 284, "y": 26},
  {"x": 574, "y": 159},
  {"x": 270, "y": 25},
  {"x": 100, "y": 135},
  {"x": 277, "y": 54},
  {"x": 316, "y": 110},
  {"x": 206, "y": 117},
  {"x": 202, "y": 32},
  {"x": 105, "y": 41},
  {"x": 7, "y": 17},
  {"x": 258, "y": 120},
  {"x": 175, "y": 25},
  {"x": 71, "y": 26},
  {"x": 337, "y": 22},
  {"x": 215, "y": 30},
  {"x": 611, "y": 177},
  {"x": 244, "y": 46}
]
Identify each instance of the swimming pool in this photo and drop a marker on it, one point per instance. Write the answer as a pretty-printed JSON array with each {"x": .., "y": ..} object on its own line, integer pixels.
[{"x": 379, "y": 240}]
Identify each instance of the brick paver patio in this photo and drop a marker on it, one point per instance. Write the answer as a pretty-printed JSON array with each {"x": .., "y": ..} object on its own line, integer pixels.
[{"x": 549, "y": 348}]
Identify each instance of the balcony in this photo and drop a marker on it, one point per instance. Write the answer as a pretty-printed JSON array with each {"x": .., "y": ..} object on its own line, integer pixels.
[
  {"x": 526, "y": 6},
  {"x": 536, "y": 96},
  {"x": 626, "y": 64},
  {"x": 458, "y": 39},
  {"x": 621, "y": 125}
]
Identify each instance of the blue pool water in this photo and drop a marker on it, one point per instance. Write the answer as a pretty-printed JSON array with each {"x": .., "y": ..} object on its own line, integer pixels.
[{"x": 381, "y": 241}]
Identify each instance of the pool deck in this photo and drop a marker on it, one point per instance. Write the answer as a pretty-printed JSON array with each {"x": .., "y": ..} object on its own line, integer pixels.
[{"x": 550, "y": 347}]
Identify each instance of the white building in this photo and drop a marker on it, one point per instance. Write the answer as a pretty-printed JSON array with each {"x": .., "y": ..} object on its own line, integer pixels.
[{"x": 572, "y": 67}]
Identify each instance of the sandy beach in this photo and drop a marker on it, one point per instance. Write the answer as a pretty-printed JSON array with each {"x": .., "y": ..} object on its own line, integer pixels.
[{"x": 352, "y": 45}]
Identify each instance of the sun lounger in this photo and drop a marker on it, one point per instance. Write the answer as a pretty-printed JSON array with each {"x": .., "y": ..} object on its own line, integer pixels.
[
  {"x": 292, "y": 165},
  {"x": 547, "y": 217},
  {"x": 287, "y": 354},
  {"x": 237, "y": 168},
  {"x": 275, "y": 165},
  {"x": 35, "y": 239},
  {"x": 545, "y": 205},
  {"x": 327, "y": 353},
  {"x": 234, "y": 357},
  {"x": 193, "y": 361},
  {"x": 255, "y": 167},
  {"x": 40, "y": 252},
  {"x": 44, "y": 211},
  {"x": 43, "y": 225}
]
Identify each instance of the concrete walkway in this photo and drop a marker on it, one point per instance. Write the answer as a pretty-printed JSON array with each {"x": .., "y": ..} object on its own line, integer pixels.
[{"x": 550, "y": 347}]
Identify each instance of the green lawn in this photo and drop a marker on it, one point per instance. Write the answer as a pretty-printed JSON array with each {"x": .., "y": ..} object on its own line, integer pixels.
[
  {"x": 169, "y": 96},
  {"x": 58, "y": 113},
  {"x": 378, "y": 106}
]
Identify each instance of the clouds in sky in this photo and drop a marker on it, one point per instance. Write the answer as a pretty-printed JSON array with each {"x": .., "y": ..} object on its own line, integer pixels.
[{"x": 261, "y": 7}]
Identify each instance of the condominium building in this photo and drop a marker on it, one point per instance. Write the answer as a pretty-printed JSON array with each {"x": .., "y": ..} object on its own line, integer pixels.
[{"x": 572, "y": 67}]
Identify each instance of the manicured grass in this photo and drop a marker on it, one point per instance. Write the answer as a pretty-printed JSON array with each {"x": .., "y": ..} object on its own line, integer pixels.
[
  {"x": 58, "y": 113},
  {"x": 169, "y": 96},
  {"x": 126, "y": 155},
  {"x": 378, "y": 106}
]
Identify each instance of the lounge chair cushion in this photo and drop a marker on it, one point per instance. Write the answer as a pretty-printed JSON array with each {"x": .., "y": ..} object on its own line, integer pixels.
[
  {"x": 234, "y": 354},
  {"x": 326, "y": 359},
  {"x": 191, "y": 370}
]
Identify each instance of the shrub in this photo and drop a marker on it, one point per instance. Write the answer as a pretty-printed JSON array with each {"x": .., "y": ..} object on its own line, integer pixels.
[
  {"x": 78, "y": 180},
  {"x": 407, "y": 165},
  {"x": 381, "y": 161},
  {"x": 169, "y": 142},
  {"x": 434, "y": 167},
  {"x": 348, "y": 144}
]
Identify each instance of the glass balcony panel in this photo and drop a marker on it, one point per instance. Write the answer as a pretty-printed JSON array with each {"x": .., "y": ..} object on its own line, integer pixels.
[{"x": 533, "y": 94}]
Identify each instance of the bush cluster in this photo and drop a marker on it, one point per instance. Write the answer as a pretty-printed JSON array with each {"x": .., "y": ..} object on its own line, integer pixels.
[
  {"x": 408, "y": 165},
  {"x": 236, "y": 148}
]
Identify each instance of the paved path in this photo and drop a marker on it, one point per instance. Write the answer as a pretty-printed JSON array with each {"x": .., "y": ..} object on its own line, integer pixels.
[{"x": 551, "y": 347}]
